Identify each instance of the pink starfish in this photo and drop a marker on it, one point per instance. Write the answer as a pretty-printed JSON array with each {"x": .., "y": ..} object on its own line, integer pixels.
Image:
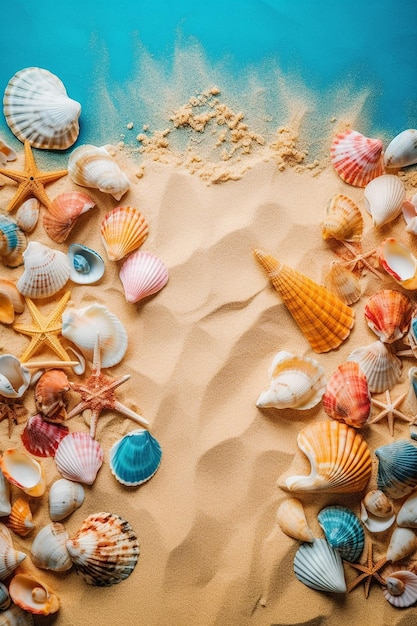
[{"x": 390, "y": 411}]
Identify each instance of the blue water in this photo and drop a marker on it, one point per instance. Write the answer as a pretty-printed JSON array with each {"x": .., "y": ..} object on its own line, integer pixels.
[{"x": 321, "y": 44}]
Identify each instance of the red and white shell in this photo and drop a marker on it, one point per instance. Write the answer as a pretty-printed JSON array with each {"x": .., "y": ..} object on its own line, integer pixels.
[
  {"x": 357, "y": 159},
  {"x": 388, "y": 313},
  {"x": 347, "y": 396}
]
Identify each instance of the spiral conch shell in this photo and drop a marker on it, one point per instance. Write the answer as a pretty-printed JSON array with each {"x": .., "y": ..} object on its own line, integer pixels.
[{"x": 92, "y": 166}]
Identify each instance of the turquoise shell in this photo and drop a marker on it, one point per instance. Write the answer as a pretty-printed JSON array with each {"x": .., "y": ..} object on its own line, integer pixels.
[
  {"x": 343, "y": 531},
  {"x": 318, "y": 566},
  {"x": 135, "y": 458},
  {"x": 12, "y": 242},
  {"x": 397, "y": 469}
]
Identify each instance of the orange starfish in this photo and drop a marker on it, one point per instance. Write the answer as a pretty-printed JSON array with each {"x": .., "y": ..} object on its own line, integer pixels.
[
  {"x": 31, "y": 181},
  {"x": 369, "y": 571},
  {"x": 390, "y": 411}
]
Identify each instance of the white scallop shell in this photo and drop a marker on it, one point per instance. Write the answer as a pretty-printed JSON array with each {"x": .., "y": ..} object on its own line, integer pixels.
[
  {"x": 65, "y": 496},
  {"x": 380, "y": 366},
  {"x": 142, "y": 274},
  {"x": 79, "y": 457},
  {"x": 92, "y": 166},
  {"x": 9, "y": 557},
  {"x": 49, "y": 551},
  {"x": 37, "y": 108},
  {"x": 320, "y": 567},
  {"x": 403, "y": 541},
  {"x": 46, "y": 271},
  {"x": 384, "y": 197},
  {"x": 402, "y": 150}
]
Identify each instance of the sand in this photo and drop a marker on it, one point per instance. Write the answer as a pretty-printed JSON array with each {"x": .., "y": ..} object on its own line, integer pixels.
[{"x": 198, "y": 355}]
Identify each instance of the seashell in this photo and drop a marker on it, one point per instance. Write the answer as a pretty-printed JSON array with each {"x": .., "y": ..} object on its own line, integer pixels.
[
  {"x": 5, "y": 599},
  {"x": 403, "y": 541},
  {"x": 135, "y": 458},
  {"x": 65, "y": 496},
  {"x": 292, "y": 520},
  {"x": 49, "y": 550},
  {"x": 63, "y": 213},
  {"x": 14, "y": 377},
  {"x": 37, "y": 108},
  {"x": 79, "y": 457},
  {"x": 82, "y": 325},
  {"x": 20, "y": 518},
  {"x": 397, "y": 469},
  {"x": 322, "y": 317},
  {"x": 343, "y": 283},
  {"x": 5, "y": 506},
  {"x": 296, "y": 383},
  {"x": 15, "y": 616},
  {"x": 388, "y": 314},
  {"x": 28, "y": 214},
  {"x": 399, "y": 262},
  {"x": 50, "y": 398},
  {"x": 46, "y": 271},
  {"x": 6, "y": 153},
  {"x": 402, "y": 150},
  {"x": 105, "y": 550},
  {"x": 42, "y": 438},
  {"x": 12, "y": 242},
  {"x": 384, "y": 197},
  {"x": 377, "y": 512},
  {"x": 11, "y": 301},
  {"x": 401, "y": 588},
  {"x": 123, "y": 230},
  {"x": 339, "y": 457},
  {"x": 343, "y": 531},
  {"x": 32, "y": 595},
  {"x": 347, "y": 396},
  {"x": 142, "y": 274},
  {"x": 22, "y": 470},
  {"x": 380, "y": 366},
  {"x": 343, "y": 220},
  {"x": 90, "y": 166},
  {"x": 357, "y": 159},
  {"x": 9, "y": 557},
  {"x": 318, "y": 566},
  {"x": 87, "y": 266},
  {"x": 407, "y": 515}
]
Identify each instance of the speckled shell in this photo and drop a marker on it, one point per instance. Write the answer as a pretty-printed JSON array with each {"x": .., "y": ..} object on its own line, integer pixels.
[
  {"x": 357, "y": 159},
  {"x": 380, "y": 366},
  {"x": 20, "y": 519},
  {"x": 11, "y": 301},
  {"x": 388, "y": 314},
  {"x": 65, "y": 496},
  {"x": 384, "y": 197},
  {"x": 14, "y": 377},
  {"x": 142, "y": 274},
  {"x": 343, "y": 283},
  {"x": 123, "y": 230},
  {"x": 37, "y": 108},
  {"x": 105, "y": 550},
  {"x": 135, "y": 458},
  {"x": 402, "y": 150},
  {"x": 399, "y": 262},
  {"x": 92, "y": 166},
  {"x": 33, "y": 595},
  {"x": 51, "y": 395},
  {"x": 401, "y": 588},
  {"x": 46, "y": 271},
  {"x": 407, "y": 515},
  {"x": 87, "y": 266},
  {"x": 27, "y": 215},
  {"x": 403, "y": 542},
  {"x": 23, "y": 471},
  {"x": 347, "y": 396},
  {"x": 343, "y": 531},
  {"x": 318, "y": 566},
  {"x": 397, "y": 468},
  {"x": 41, "y": 438},
  {"x": 9, "y": 557},
  {"x": 63, "y": 213},
  {"x": 49, "y": 551},
  {"x": 291, "y": 518},
  {"x": 79, "y": 457},
  {"x": 13, "y": 242},
  {"x": 343, "y": 220}
]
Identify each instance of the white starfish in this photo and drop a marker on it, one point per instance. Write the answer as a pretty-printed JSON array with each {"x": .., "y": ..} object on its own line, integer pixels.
[{"x": 390, "y": 411}]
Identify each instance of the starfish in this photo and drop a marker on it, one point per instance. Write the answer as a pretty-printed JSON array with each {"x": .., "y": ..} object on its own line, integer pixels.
[
  {"x": 360, "y": 257},
  {"x": 31, "y": 181},
  {"x": 14, "y": 412},
  {"x": 98, "y": 393},
  {"x": 390, "y": 411},
  {"x": 369, "y": 571}
]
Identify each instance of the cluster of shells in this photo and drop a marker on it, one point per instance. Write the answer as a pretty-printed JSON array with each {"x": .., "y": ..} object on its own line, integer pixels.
[
  {"x": 340, "y": 458},
  {"x": 105, "y": 549}
]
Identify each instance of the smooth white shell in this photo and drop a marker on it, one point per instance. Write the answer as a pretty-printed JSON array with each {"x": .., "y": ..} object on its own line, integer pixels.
[
  {"x": 46, "y": 271},
  {"x": 403, "y": 541},
  {"x": 291, "y": 518},
  {"x": 65, "y": 496},
  {"x": 384, "y": 197},
  {"x": 402, "y": 150},
  {"x": 49, "y": 551},
  {"x": 24, "y": 471},
  {"x": 87, "y": 266},
  {"x": 407, "y": 515},
  {"x": 5, "y": 505},
  {"x": 92, "y": 166},
  {"x": 28, "y": 214},
  {"x": 14, "y": 377},
  {"x": 399, "y": 262}
]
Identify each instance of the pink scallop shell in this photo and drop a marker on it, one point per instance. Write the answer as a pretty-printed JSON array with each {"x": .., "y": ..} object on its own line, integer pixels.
[
  {"x": 142, "y": 274},
  {"x": 42, "y": 438},
  {"x": 356, "y": 158},
  {"x": 79, "y": 457}
]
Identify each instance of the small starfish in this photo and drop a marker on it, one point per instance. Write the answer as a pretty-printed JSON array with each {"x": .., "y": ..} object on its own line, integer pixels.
[
  {"x": 14, "y": 412},
  {"x": 31, "y": 181},
  {"x": 369, "y": 571},
  {"x": 97, "y": 394},
  {"x": 360, "y": 257},
  {"x": 390, "y": 411},
  {"x": 44, "y": 330}
]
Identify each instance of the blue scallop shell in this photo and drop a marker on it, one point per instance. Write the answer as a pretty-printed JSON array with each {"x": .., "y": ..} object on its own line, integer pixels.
[
  {"x": 135, "y": 458},
  {"x": 343, "y": 531},
  {"x": 397, "y": 469}
]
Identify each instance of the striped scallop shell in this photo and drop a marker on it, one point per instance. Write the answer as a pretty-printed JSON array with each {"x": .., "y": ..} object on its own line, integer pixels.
[
  {"x": 49, "y": 551},
  {"x": 41, "y": 438},
  {"x": 105, "y": 549},
  {"x": 401, "y": 588},
  {"x": 399, "y": 262},
  {"x": 318, "y": 566},
  {"x": 92, "y": 166},
  {"x": 142, "y": 274},
  {"x": 46, "y": 271},
  {"x": 5, "y": 599},
  {"x": 402, "y": 150},
  {"x": 388, "y": 313},
  {"x": 79, "y": 457},
  {"x": 291, "y": 518},
  {"x": 37, "y": 108},
  {"x": 343, "y": 531},
  {"x": 339, "y": 457},
  {"x": 20, "y": 518},
  {"x": 322, "y": 317},
  {"x": 343, "y": 283},
  {"x": 384, "y": 197},
  {"x": 135, "y": 458},
  {"x": 65, "y": 209},
  {"x": 123, "y": 230},
  {"x": 347, "y": 396},
  {"x": 9, "y": 557},
  {"x": 357, "y": 159},
  {"x": 380, "y": 366},
  {"x": 13, "y": 242},
  {"x": 397, "y": 468},
  {"x": 343, "y": 220}
]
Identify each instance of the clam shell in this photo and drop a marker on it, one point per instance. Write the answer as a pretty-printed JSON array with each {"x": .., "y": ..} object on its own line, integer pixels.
[
  {"x": 380, "y": 366},
  {"x": 42, "y": 438},
  {"x": 49, "y": 551},
  {"x": 12, "y": 242},
  {"x": 22, "y": 470},
  {"x": 343, "y": 531},
  {"x": 402, "y": 150},
  {"x": 28, "y": 214},
  {"x": 388, "y": 314},
  {"x": 296, "y": 383},
  {"x": 339, "y": 457},
  {"x": 20, "y": 518},
  {"x": 87, "y": 266},
  {"x": 32, "y": 595},
  {"x": 135, "y": 458},
  {"x": 343, "y": 283},
  {"x": 65, "y": 496},
  {"x": 15, "y": 616},
  {"x": 63, "y": 213},
  {"x": 92, "y": 166},
  {"x": 407, "y": 515},
  {"x": 142, "y": 274},
  {"x": 357, "y": 159},
  {"x": 79, "y": 457},
  {"x": 46, "y": 271},
  {"x": 343, "y": 220},
  {"x": 397, "y": 468},
  {"x": 50, "y": 395},
  {"x": 347, "y": 396},
  {"x": 9, "y": 557},
  {"x": 401, "y": 588},
  {"x": 11, "y": 301},
  {"x": 374, "y": 523},
  {"x": 318, "y": 566},
  {"x": 291, "y": 518},
  {"x": 5, "y": 505},
  {"x": 105, "y": 550},
  {"x": 123, "y": 230},
  {"x": 399, "y": 262},
  {"x": 384, "y": 197},
  {"x": 322, "y": 317},
  {"x": 403, "y": 541},
  {"x": 14, "y": 377},
  {"x": 82, "y": 325}
]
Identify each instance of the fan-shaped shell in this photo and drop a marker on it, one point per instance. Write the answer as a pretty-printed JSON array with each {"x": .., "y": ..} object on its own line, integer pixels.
[
  {"x": 81, "y": 326},
  {"x": 42, "y": 438},
  {"x": 49, "y": 550},
  {"x": 37, "y": 108},
  {"x": 384, "y": 197},
  {"x": 65, "y": 496},
  {"x": 380, "y": 366},
  {"x": 22, "y": 470},
  {"x": 343, "y": 531},
  {"x": 322, "y": 317},
  {"x": 347, "y": 396},
  {"x": 343, "y": 220},
  {"x": 343, "y": 283},
  {"x": 63, "y": 213},
  {"x": 339, "y": 457},
  {"x": 50, "y": 395},
  {"x": 388, "y": 314},
  {"x": 142, "y": 274},
  {"x": 407, "y": 515},
  {"x": 401, "y": 588},
  {"x": 318, "y": 566},
  {"x": 28, "y": 214},
  {"x": 87, "y": 266},
  {"x": 291, "y": 518},
  {"x": 403, "y": 542},
  {"x": 402, "y": 150},
  {"x": 9, "y": 557},
  {"x": 357, "y": 159},
  {"x": 105, "y": 550},
  {"x": 397, "y": 468},
  {"x": 79, "y": 457},
  {"x": 14, "y": 377},
  {"x": 46, "y": 271},
  {"x": 13, "y": 242},
  {"x": 20, "y": 518},
  {"x": 399, "y": 262},
  {"x": 92, "y": 166},
  {"x": 11, "y": 301},
  {"x": 33, "y": 595},
  {"x": 296, "y": 383},
  {"x": 135, "y": 458},
  {"x": 123, "y": 230}
]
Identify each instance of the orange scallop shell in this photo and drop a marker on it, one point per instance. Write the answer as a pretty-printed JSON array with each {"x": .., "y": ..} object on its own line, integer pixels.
[
  {"x": 343, "y": 220},
  {"x": 59, "y": 220},
  {"x": 347, "y": 396},
  {"x": 123, "y": 230},
  {"x": 388, "y": 313},
  {"x": 357, "y": 159},
  {"x": 20, "y": 518}
]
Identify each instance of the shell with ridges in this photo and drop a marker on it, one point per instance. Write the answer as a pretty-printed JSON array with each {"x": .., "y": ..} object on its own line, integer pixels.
[
  {"x": 28, "y": 214},
  {"x": 135, "y": 458},
  {"x": 33, "y": 595},
  {"x": 347, "y": 396},
  {"x": 46, "y": 271},
  {"x": 65, "y": 496},
  {"x": 50, "y": 395},
  {"x": 79, "y": 457},
  {"x": 23, "y": 471},
  {"x": 399, "y": 262},
  {"x": 407, "y": 515},
  {"x": 14, "y": 377},
  {"x": 42, "y": 438},
  {"x": 388, "y": 314},
  {"x": 402, "y": 150},
  {"x": 11, "y": 301},
  {"x": 318, "y": 566},
  {"x": 15, "y": 616},
  {"x": 343, "y": 220},
  {"x": 142, "y": 274},
  {"x": 92, "y": 166},
  {"x": 87, "y": 266},
  {"x": 5, "y": 599},
  {"x": 49, "y": 551},
  {"x": 9, "y": 557},
  {"x": 384, "y": 197},
  {"x": 291, "y": 518},
  {"x": 343, "y": 283},
  {"x": 402, "y": 542},
  {"x": 397, "y": 468},
  {"x": 357, "y": 159},
  {"x": 20, "y": 518},
  {"x": 401, "y": 588},
  {"x": 123, "y": 230},
  {"x": 343, "y": 531},
  {"x": 380, "y": 366},
  {"x": 13, "y": 242},
  {"x": 63, "y": 213}
]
